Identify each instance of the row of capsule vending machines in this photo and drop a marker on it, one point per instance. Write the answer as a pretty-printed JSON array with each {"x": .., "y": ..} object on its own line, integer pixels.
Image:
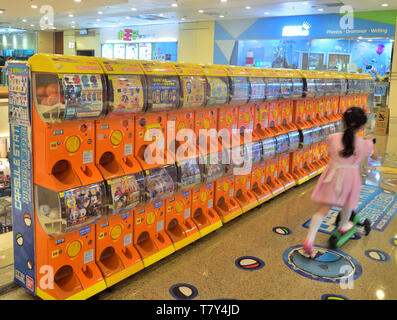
[{"x": 117, "y": 164}]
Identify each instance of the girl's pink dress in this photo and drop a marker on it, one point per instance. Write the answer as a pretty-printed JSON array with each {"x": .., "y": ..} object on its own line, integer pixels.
[{"x": 340, "y": 183}]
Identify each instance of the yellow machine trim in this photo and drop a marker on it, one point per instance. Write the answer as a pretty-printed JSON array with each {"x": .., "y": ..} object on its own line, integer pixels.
[
  {"x": 236, "y": 71},
  {"x": 188, "y": 240},
  {"x": 213, "y": 70},
  {"x": 52, "y": 63},
  {"x": 255, "y": 72},
  {"x": 119, "y": 66},
  {"x": 158, "y": 256},
  {"x": 250, "y": 206},
  {"x": 82, "y": 295},
  {"x": 123, "y": 274},
  {"x": 188, "y": 69},
  {"x": 232, "y": 216},
  {"x": 158, "y": 68},
  {"x": 210, "y": 228}
]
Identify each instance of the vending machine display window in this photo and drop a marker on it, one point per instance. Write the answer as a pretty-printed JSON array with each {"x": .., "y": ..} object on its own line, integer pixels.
[
  {"x": 269, "y": 148},
  {"x": 258, "y": 90},
  {"x": 214, "y": 167},
  {"x": 239, "y": 90},
  {"x": 294, "y": 141},
  {"x": 68, "y": 96},
  {"x": 163, "y": 93},
  {"x": 217, "y": 91},
  {"x": 255, "y": 149},
  {"x": 65, "y": 211},
  {"x": 321, "y": 87},
  {"x": 316, "y": 134},
  {"x": 189, "y": 173},
  {"x": 311, "y": 88},
  {"x": 161, "y": 182},
  {"x": 297, "y": 88},
  {"x": 125, "y": 192},
  {"x": 273, "y": 89},
  {"x": 286, "y": 87},
  {"x": 194, "y": 91},
  {"x": 126, "y": 94},
  {"x": 282, "y": 143},
  {"x": 307, "y": 137}
]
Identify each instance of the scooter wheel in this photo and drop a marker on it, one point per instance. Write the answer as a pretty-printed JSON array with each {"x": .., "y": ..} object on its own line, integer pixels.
[
  {"x": 332, "y": 242},
  {"x": 367, "y": 227}
]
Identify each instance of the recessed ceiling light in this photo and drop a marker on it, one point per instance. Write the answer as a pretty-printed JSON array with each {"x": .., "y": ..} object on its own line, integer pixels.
[
  {"x": 385, "y": 5},
  {"x": 1, "y": 11},
  {"x": 32, "y": 25},
  {"x": 128, "y": 18},
  {"x": 305, "y": 3},
  {"x": 98, "y": 20},
  {"x": 73, "y": 22},
  {"x": 71, "y": 15},
  {"x": 24, "y": 20},
  {"x": 201, "y": 11},
  {"x": 360, "y": 38},
  {"x": 34, "y": 6},
  {"x": 100, "y": 12},
  {"x": 95, "y": 25},
  {"x": 161, "y": 14},
  {"x": 248, "y": 7},
  {"x": 267, "y": 12},
  {"x": 223, "y": 0},
  {"x": 77, "y": 0},
  {"x": 183, "y": 19},
  {"x": 174, "y": 5},
  {"x": 221, "y": 16},
  {"x": 133, "y": 9},
  {"x": 321, "y": 9}
]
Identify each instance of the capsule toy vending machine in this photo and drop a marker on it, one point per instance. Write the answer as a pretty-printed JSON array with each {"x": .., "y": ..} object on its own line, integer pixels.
[
  {"x": 240, "y": 92},
  {"x": 273, "y": 97},
  {"x": 163, "y": 92},
  {"x": 195, "y": 198},
  {"x": 261, "y": 114},
  {"x": 320, "y": 102},
  {"x": 58, "y": 193},
  {"x": 180, "y": 122},
  {"x": 283, "y": 155},
  {"x": 291, "y": 89},
  {"x": 368, "y": 88},
  {"x": 115, "y": 253}
]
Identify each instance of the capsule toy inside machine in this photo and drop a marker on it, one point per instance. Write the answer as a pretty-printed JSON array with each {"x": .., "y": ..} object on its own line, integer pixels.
[
  {"x": 115, "y": 253},
  {"x": 64, "y": 191},
  {"x": 160, "y": 182}
]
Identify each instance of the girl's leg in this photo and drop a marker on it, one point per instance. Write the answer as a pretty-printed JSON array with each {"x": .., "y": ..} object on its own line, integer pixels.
[
  {"x": 345, "y": 224},
  {"x": 315, "y": 224}
]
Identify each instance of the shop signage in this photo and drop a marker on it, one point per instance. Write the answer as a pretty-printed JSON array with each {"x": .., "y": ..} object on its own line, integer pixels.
[
  {"x": 297, "y": 31},
  {"x": 128, "y": 35}
]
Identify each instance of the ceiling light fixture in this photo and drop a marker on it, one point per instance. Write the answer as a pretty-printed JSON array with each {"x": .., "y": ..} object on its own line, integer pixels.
[
  {"x": 321, "y": 9},
  {"x": 24, "y": 20},
  {"x": 77, "y": 0},
  {"x": 248, "y": 7},
  {"x": 385, "y": 5},
  {"x": 32, "y": 25},
  {"x": 267, "y": 12},
  {"x": 174, "y": 5},
  {"x": 201, "y": 11},
  {"x": 221, "y": 16},
  {"x": 223, "y": 0},
  {"x": 71, "y": 15},
  {"x": 1, "y": 11},
  {"x": 133, "y": 9},
  {"x": 100, "y": 12},
  {"x": 34, "y": 6},
  {"x": 98, "y": 20},
  {"x": 128, "y": 18}
]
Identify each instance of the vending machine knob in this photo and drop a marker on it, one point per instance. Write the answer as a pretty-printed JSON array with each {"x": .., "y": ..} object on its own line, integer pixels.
[
  {"x": 74, "y": 249},
  {"x": 73, "y": 144},
  {"x": 115, "y": 232},
  {"x": 116, "y": 137}
]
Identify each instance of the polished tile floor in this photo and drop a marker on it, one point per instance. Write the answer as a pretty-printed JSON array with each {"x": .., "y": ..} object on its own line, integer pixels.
[{"x": 272, "y": 266}]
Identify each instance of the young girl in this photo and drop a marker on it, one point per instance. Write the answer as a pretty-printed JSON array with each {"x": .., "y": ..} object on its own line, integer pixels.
[{"x": 340, "y": 183}]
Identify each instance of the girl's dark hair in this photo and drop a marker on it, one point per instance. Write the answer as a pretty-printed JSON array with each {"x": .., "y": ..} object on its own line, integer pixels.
[{"x": 353, "y": 119}]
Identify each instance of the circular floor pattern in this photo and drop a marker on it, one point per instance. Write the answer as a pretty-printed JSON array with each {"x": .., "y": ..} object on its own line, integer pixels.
[
  {"x": 393, "y": 241},
  {"x": 328, "y": 265},
  {"x": 282, "y": 231},
  {"x": 249, "y": 263},
  {"x": 377, "y": 255},
  {"x": 333, "y": 297},
  {"x": 183, "y": 291}
]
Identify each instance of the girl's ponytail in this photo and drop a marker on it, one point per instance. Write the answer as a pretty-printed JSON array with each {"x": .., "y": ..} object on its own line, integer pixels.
[{"x": 354, "y": 118}]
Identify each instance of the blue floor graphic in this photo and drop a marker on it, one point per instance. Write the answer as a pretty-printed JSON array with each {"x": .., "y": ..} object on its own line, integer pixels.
[{"x": 377, "y": 205}]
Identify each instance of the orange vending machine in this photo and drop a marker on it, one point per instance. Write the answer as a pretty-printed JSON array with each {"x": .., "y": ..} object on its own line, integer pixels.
[
  {"x": 67, "y": 93},
  {"x": 115, "y": 253},
  {"x": 163, "y": 91}
]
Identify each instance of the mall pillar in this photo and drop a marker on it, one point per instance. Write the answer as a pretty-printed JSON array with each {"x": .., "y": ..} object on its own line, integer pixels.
[{"x": 196, "y": 42}]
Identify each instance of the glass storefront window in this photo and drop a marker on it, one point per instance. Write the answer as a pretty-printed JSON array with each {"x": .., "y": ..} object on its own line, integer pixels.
[{"x": 366, "y": 55}]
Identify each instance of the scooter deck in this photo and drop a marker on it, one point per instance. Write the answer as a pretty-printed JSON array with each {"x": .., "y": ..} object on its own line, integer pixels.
[{"x": 341, "y": 239}]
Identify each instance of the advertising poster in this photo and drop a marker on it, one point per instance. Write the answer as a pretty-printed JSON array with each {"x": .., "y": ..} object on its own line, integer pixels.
[
  {"x": 128, "y": 94},
  {"x": 21, "y": 176}
]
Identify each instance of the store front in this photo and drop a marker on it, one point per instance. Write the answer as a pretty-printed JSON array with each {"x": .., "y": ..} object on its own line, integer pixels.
[
  {"x": 315, "y": 42},
  {"x": 155, "y": 42}
]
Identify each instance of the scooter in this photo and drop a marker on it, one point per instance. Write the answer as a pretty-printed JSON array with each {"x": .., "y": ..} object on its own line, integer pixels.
[{"x": 337, "y": 239}]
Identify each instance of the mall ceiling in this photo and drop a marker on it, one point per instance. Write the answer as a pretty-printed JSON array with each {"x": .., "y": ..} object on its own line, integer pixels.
[{"x": 25, "y": 14}]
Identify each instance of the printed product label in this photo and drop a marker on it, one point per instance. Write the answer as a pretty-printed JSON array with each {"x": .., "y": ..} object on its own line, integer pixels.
[
  {"x": 127, "y": 239},
  {"x": 88, "y": 256}
]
